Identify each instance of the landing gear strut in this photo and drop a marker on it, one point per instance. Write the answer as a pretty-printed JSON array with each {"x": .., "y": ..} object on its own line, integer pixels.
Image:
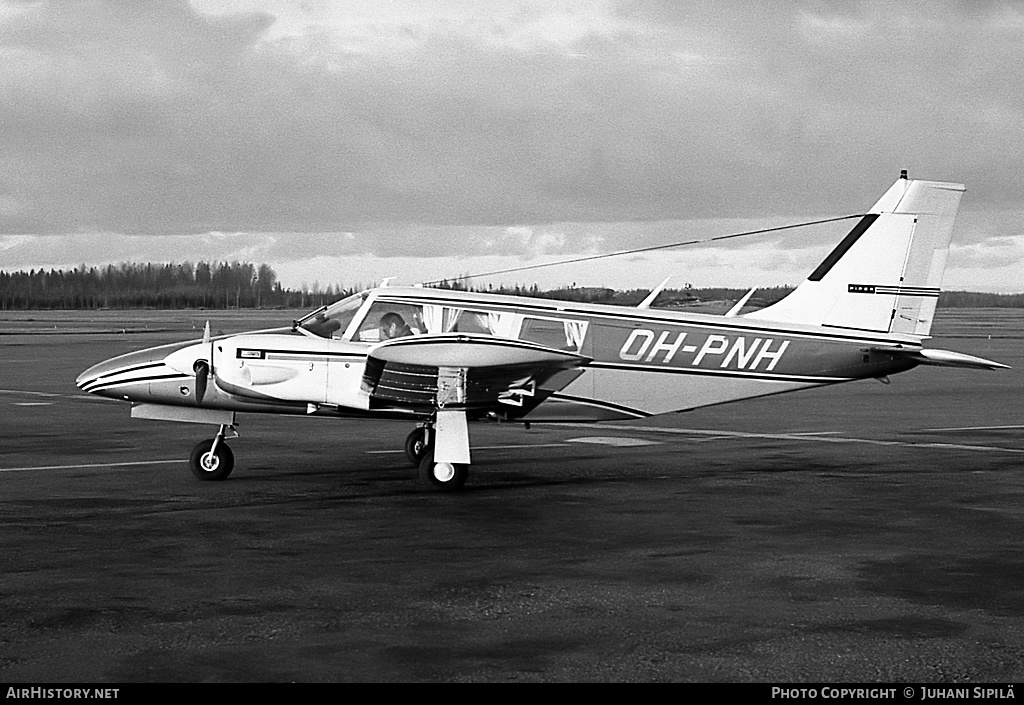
[
  {"x": 437, "y": 476},
  {"x": 440, "y": 449},
  {"x": 213, "y": 459}
]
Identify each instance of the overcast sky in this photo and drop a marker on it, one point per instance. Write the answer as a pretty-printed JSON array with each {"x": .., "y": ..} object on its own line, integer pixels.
[{"x": 342, "y": 142}]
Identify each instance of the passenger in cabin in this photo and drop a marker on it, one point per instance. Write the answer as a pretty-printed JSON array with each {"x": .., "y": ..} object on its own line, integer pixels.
[{"x": 393, "y": 325}]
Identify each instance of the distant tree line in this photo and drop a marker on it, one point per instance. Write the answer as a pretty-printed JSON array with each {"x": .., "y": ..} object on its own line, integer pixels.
[
  {"x": 244, "y": 285},
  {"x": 167, "y": 286},
  {"x": 627, "y": 297},
  {"x": 974, "y": 299},
  {"x": 689, "y": 295}
]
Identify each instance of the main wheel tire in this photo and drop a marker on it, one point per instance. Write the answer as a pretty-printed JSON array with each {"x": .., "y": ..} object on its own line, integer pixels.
[
  {"x": 442, "y": 477},
  {"x": 208, "y": 466},
  {"x": 416, "y": 446}
]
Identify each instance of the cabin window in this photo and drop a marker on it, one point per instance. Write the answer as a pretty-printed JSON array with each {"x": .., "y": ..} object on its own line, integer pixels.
[
  {"x": 391, "y": 319},
  {"x": 496, "y": 323},
  {"x": 554, "y": 333},
  {"x": 449, "y": 319},
  {"x": 472, "y": 322},
  {"x": 440, "y": 319}
]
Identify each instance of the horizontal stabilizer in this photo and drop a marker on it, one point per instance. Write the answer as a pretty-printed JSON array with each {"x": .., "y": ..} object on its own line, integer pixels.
[{"x": 941, "y": 358}]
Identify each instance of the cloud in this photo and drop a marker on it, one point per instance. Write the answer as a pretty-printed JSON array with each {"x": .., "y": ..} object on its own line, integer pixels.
[{"x": 419, "y": 129}]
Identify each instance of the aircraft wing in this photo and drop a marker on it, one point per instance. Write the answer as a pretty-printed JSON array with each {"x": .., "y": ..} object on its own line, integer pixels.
[
  {"x": 941, "y": 358},
  {"x": 475, "y": 372}
]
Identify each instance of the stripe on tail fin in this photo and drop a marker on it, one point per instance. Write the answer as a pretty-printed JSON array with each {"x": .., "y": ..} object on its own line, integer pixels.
[{"x": 884, "y": 276}]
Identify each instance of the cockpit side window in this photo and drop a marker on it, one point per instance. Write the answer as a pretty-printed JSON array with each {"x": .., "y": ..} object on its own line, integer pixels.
[{"x": 387, "y": 319}]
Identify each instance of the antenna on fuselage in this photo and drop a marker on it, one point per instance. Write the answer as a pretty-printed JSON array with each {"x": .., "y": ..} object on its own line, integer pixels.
[
  {"x": 646, "y": 303},
  {"x": 738, "y": 306}
]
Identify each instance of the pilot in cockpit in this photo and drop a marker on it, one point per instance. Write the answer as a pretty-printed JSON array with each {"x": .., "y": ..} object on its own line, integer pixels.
[{"x": 392, "y": 325}]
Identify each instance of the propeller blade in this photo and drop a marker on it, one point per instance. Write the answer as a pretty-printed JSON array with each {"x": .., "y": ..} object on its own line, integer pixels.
[{"x": 202, "y": 370}]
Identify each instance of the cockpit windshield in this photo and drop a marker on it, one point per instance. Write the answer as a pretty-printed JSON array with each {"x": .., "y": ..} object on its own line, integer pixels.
[{"x": 331, "y": 321}]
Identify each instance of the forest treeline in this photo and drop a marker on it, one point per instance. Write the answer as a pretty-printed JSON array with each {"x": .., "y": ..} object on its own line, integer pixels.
[
  {"x": 245, "y": 285},
  {"x": 165, "y": 286},
  {"x": 689, "y": 295}
]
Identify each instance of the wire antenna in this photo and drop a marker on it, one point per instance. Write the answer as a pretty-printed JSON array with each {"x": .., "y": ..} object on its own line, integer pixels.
[{"x": 589, "y": 258}]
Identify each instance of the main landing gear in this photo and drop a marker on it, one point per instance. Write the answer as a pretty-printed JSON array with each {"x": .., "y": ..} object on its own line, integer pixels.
[
  {"x": 435, "y": 475},
  {"x": 417, "y": 443},
  {"x": 442, "y": 477},
  {"x": 213, "y": 459}
]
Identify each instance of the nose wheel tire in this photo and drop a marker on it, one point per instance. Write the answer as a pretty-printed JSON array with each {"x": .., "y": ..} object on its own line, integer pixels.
[
  {"x": 416, "y": 446},
  {"x": 209, "y": 466},
  {"x": 442, "y": 477}
]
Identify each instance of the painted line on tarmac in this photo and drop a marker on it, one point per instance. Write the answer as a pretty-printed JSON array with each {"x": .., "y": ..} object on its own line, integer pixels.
[
  {"x": 801, "y": 437},
  {"x": 508, "y": 447},
  {"x": 92, "y": 465},
  {"x": 616, "y": 441},
  {"x": 52, "y": 395},
  {"x": 974, "y": 428},
  {"x": 30, "y": 393}
]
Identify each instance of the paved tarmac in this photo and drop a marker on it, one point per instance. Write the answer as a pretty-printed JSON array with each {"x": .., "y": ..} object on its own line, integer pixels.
[{"x": 865, "y": 532}]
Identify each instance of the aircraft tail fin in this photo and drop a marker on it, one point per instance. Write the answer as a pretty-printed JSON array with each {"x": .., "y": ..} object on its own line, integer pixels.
[{"x": 884, "y": 276}]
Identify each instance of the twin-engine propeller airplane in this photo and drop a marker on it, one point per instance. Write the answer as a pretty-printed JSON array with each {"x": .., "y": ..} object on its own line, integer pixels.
[{"x": 442, "y": 358}]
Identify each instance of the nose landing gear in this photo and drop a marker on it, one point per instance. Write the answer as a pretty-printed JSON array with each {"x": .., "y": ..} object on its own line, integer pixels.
[{"x": 212, "y": 460}]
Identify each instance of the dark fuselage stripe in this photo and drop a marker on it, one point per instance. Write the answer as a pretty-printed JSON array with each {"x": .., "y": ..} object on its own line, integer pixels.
[
  {"x": 600, "y": 404},
  {"x": 764, "y": 376},
  {"x": 125, "y": 370},
  {"x": 134, "y": 380},
  {"x": 314, "y": 353}
]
